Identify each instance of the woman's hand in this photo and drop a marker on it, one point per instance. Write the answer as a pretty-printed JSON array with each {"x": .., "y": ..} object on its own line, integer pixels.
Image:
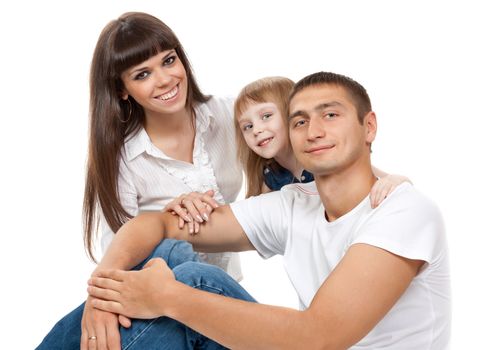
[
  {"x": 102, "y": 325},
  {"x": 384, "y": 186},
  {"x": 193, "y": 208},
  {"x": 135, "y": 294},
  {"x": 100, "y": 329}
]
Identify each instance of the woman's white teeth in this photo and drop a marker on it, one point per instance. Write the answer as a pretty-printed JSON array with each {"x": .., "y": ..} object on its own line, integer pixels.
[{"x": 169, "y": 94}]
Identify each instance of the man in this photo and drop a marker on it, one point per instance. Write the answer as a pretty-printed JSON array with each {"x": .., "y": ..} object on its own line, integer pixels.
[{"x": 368, "y": 278}]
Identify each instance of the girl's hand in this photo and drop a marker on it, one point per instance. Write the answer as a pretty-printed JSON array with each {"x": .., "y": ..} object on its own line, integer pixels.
[
  {"x": 384, "y": 186},
  {"x": 193, "y": 208},
  {"x": 134, "y": 294}
]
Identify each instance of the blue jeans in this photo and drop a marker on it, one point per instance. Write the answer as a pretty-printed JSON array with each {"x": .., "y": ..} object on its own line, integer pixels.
[{"x": 162, "y": 332}]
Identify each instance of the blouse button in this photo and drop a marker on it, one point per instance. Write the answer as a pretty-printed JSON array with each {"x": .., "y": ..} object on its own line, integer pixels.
[{"x": 303, "y": 177}]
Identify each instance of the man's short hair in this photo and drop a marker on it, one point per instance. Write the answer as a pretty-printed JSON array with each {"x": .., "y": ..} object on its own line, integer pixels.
[{"x": 355, "y": 90}]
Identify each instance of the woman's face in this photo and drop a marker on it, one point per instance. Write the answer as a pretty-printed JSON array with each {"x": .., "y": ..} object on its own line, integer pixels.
[
  {"x": 264, "y": 129},
  {"x": 158, "y": 84}
]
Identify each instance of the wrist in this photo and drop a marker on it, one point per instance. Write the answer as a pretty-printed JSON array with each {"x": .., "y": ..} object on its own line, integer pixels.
[{"x": 172, "y": 295}]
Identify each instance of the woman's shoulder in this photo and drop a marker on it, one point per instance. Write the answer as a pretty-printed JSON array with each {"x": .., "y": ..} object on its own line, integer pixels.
[
  {"x": 219, "y": 104},
  {"x": 217, "y": 111}
]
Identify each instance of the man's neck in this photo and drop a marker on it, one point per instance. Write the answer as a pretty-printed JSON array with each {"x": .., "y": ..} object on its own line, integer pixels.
[{"x": 343, "y": 191}]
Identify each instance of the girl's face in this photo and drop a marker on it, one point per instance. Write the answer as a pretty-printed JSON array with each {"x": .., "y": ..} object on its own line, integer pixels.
[
  {"x": 264, "y": 130},
  {"x": 158, "y": 84}
]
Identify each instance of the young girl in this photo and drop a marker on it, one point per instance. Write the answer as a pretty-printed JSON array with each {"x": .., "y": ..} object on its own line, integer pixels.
[{"x": 263, "y": 147}]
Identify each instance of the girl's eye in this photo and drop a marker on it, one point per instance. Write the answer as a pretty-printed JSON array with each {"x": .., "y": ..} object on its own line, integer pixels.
[
  {"x": 266, "y": 116},
  {"x": 141, "y": 76},
  {"x": 169, "y": 60},
  {"x": 246, "y": 127}
]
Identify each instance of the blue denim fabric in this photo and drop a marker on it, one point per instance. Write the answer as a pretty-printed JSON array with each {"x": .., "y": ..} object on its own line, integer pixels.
[
  {"x": 162, "y": 332},
  {"x": 275, "y": 177}
]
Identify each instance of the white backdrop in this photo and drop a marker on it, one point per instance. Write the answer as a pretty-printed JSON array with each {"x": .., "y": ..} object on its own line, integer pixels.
[{"x": 421, "y": 62}]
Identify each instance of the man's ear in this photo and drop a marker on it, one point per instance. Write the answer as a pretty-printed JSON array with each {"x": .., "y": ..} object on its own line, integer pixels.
[{"x": 369, "y": 122}]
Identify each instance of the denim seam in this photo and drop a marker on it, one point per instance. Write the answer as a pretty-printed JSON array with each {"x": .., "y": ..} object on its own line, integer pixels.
[{"x": 135, "y": 338}]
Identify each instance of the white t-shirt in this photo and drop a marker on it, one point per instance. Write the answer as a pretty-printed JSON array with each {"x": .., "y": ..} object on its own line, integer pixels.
[
  {"x": 149, "y": 179},
  {"x": 292, "y": 223}
]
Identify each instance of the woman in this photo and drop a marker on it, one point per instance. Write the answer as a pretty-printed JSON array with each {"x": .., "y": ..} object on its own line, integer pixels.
[{"x": 153, "y": 137}]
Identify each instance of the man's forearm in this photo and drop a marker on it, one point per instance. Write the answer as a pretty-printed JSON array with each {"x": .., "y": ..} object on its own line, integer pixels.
[
  {"x": 134, "y": 241},
  {"x": 240, "y": 324}
]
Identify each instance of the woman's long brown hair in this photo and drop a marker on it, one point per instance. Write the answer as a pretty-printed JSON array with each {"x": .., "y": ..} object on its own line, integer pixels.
[{"x": 130, "y": 40}]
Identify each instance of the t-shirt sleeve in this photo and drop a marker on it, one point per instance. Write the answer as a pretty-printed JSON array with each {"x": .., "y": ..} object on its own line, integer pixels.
[
  {"x": 406, "y": 224},
  {"x": 264, "y": 219}
]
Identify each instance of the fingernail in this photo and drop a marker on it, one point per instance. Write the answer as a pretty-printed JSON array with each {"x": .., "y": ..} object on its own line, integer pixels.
[
  {"x": 187, "y": 218},
  {"x": 205, "y": 216},
  {"x": 199, "y": 218}
]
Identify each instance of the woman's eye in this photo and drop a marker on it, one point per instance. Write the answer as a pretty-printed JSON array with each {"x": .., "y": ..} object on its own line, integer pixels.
[
  {"x": 169, "y": 60},
  {"x": 266, "y": 116},
  {"x": 141, "y": 75}
]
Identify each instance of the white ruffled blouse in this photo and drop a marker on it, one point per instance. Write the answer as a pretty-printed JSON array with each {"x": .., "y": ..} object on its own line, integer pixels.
[{"x": 149, "y": 179}]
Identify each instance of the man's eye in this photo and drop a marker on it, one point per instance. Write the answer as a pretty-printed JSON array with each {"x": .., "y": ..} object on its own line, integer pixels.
[
  {"x": 330, "y": 115},
  {"x": 299, "y": 123}
]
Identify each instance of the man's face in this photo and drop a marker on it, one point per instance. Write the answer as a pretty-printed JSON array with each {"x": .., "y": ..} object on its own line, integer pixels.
[{"x": 325, "y": 133}]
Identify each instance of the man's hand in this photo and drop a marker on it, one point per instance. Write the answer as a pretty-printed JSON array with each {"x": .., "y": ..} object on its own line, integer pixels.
[{"x": 135, "y": 294}]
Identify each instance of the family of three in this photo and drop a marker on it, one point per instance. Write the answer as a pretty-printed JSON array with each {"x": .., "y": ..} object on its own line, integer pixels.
[{"x": 365, "y": 251}]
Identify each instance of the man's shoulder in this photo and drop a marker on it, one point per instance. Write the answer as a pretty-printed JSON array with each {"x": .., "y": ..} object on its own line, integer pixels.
[
  {"x": 408, "y": 200},
  {"x": 301, "y": 195}
]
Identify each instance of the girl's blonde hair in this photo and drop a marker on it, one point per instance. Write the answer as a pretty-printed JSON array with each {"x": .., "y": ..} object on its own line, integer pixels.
[{"x": 269, "y": 89}]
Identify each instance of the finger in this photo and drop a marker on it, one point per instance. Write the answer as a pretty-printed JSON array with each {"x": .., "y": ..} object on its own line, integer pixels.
[
  {"x": 84, "y": 337},
  {"x": 182, "y": 212},
  {"x": 106, "y": 283},
  {"x": 192, "y": 210},
  {"x": 99, "y": 343},
  {"x": 191, "y": 227},
  {"x": 210, "y": 201},
  {"x": 196, "y": 228},
  {"x": 109, "y": 306},
  {"x": 211, "y": 193},
  {"x": 101, "y": 293},
  {"x": 181, "y": 222},
  {"x": 117, "y": 275},
  {"x": 113, "y": 337},
  {"x": 372, "y": 196},
  {"x": 152, "y": 262},
  {"x": 202, "y": 208},
  {"x": 124, "y": 321}
]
